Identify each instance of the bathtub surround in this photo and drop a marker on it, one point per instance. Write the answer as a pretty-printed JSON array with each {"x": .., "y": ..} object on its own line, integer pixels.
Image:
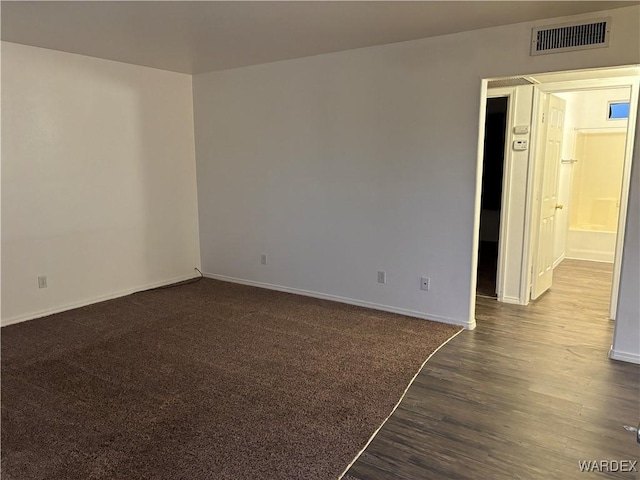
[
  {"x": 590, "y": 184},
  {"x": 595, "y": 195}
]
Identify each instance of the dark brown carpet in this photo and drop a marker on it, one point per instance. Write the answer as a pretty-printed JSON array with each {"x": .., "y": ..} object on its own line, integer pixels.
[{"x": 204, "y": 381}]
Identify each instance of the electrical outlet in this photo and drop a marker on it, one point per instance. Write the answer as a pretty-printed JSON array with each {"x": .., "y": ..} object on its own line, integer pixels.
[
  {"x": 425, "y": 283},
  {"x": 382, "y": 277},
  {"x": 42, "y": 281},
  {"x": 263, "y": 259}
]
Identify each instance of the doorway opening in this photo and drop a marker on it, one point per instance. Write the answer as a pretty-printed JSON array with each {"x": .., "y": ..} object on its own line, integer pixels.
[
  {"x": 491, "y": 196},
  {"x": 567, "y": 142},
  {"x": 591, "y": 179},
  {"x": 581, "y": 155},
  {"x": 586, "y": 167}
]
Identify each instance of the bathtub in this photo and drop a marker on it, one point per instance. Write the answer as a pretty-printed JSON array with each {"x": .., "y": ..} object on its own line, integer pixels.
[{"x": 591, "y": 242}]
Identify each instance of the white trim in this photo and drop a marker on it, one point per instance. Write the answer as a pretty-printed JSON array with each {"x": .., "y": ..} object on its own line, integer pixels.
[
  {"x": 624, "y": 356},
  {"x": 512, "y": 300},
  {"x": 477, "y": 201},
  {"x": 597, "y": 130},
  {"x": 590, "y": 255},
  {"x": 624, "y": 198},
  {"x": 530, "y": 212},
  {"x": 587, "y": 84},
  {"x": 559, "y": 260},
  {"x": 397, "y": 404},
  {"x": 588, "y": 230},
  {"x": 349, "y": 301},
  {"x": 91, "y": 301},
  {"x": 616, "y": 102}
]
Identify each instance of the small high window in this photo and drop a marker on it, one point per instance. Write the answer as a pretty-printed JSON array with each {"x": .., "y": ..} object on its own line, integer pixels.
[{"x": 618, "y": 110}]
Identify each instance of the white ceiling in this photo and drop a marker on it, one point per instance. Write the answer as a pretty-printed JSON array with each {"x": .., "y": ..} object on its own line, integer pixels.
[{"x": 195, "y": 37}]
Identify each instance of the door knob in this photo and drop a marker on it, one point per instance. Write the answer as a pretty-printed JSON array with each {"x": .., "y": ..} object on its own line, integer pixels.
[{"x": 559, "y": 207}]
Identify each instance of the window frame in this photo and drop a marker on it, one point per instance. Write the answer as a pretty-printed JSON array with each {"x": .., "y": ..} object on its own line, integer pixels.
[{"x": 616, "y": 102}]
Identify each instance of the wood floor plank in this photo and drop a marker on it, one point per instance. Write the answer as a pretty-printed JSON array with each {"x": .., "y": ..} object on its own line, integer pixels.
[{"x": 528, "y": 394}]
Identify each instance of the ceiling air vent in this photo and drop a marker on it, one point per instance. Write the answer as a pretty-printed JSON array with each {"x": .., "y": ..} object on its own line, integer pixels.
[{"x": 570, "y": 36}]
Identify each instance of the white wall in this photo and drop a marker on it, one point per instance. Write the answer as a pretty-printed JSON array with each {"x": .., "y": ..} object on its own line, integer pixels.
[
  {"x": 98, "y": 179},
  {"x": 585, "y": 110},
  {"x": 590, "y": 107},
  {"x": 340, "y": 165}
]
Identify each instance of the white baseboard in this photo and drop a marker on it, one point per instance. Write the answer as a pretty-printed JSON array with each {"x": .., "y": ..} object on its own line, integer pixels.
[
  {"x": 511, "y": 300},
  {"x": 350, "y": 301},
  {"x": 624, "y": 356},
  {"x": 590, "y": 255},
  {"x": 91, "y": 301},
  {"x": 558, "y": 260}
]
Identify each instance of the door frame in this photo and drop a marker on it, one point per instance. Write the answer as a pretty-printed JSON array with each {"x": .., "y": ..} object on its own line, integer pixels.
[
  {"x": 608, "y": 80},
  {"x": 530, "y": 231}
]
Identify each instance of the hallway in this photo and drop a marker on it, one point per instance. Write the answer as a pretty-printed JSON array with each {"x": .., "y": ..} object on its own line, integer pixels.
[{"x": 528, "y": 394}]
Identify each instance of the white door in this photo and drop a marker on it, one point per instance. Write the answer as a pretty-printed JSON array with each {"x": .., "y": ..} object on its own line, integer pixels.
[{"x": 547, "y": 198}]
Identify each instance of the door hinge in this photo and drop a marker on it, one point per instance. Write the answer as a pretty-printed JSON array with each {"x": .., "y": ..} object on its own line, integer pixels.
[{"x": 542, "y": 117}]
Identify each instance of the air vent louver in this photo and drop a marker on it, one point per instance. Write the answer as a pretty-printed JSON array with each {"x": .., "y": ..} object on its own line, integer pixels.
[
  {"x": 509, "y": 82},
  {"x": 567, "y": 37}
]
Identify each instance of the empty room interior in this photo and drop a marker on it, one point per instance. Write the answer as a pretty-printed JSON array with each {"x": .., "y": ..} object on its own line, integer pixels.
[{"x": 320, "y": 240}]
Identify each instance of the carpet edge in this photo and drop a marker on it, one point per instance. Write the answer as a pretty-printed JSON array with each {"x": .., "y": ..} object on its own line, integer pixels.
[{"x": 344, "y": 472}]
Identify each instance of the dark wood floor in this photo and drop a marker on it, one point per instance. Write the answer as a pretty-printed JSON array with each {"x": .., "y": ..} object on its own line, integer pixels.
[{"x": 527, "y": 395}]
